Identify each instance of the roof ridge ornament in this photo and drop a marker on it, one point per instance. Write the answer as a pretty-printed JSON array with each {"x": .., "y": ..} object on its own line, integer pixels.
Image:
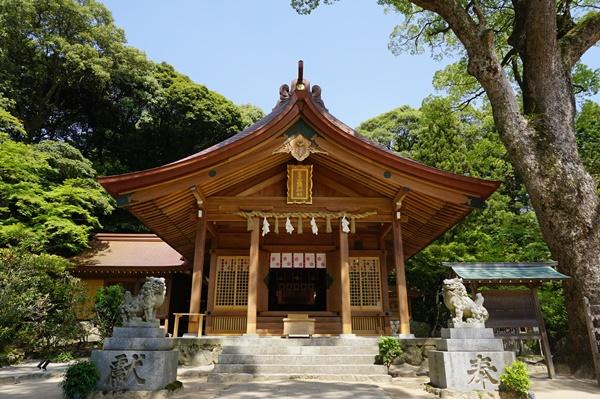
[
  {"x": 299, "y": 147},
  {"x": 300, "y": 84}
]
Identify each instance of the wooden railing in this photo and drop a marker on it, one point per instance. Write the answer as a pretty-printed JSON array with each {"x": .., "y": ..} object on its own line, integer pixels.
[
  {"x": 179, "y": 315},
  {"x": 228, "y": 324},
  {"x": 368, "y": 325}
]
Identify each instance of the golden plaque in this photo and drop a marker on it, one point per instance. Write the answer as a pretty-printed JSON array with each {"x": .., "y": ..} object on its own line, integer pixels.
[{"x": 299, "y": 184}]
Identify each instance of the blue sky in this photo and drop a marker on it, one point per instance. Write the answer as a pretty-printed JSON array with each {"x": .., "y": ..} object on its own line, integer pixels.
[{"x": 246, "y": 49}]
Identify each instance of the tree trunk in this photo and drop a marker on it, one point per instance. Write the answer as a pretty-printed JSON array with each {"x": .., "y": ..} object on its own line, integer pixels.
[{"x": 541, "y": 144}]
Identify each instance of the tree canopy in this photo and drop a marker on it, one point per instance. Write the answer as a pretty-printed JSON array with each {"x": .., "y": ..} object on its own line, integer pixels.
[
  {"x": 49, "y": 199},
  {"x": 67, "y": 74}
]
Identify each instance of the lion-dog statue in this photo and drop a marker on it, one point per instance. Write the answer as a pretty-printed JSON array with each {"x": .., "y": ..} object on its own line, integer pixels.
[
  {"x": 461, "y": 306},
  {"x": 143, "y": 306}
]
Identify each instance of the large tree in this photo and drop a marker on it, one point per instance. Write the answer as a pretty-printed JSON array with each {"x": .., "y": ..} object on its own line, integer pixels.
[
  {"x": 67, "y": 73},
  {"x": 522, "y": 54}
]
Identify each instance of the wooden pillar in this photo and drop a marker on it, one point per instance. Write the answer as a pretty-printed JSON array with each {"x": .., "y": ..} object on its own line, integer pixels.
[
  {"x": 198, "y": 270},
  {"x": 253, "y": 274},
  {"x": 212, "y": 277},
  {"x": 385, "y": 291},
  {"x": 345, "y": 283},
  {"x": 401, "y": 278},
  {"x": 542, "y": 326}
]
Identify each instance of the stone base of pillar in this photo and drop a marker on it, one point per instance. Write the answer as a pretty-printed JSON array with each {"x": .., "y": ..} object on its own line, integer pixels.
[
  {"x": 468, "y": 359},
  {"x": 136, "y": 359}
]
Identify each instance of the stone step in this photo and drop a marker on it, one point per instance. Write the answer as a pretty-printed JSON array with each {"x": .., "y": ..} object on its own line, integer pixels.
[
  {"x": 248, "y": 377},
  {"x": 278, "y": 341},
  {"x": 288, "y": 369},
  {"x": 300, "y": 360},
  {"x": 300, "y": 350}
]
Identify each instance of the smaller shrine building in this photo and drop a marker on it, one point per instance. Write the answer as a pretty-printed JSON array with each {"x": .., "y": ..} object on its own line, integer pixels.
[{"x": 298, "y": 213}]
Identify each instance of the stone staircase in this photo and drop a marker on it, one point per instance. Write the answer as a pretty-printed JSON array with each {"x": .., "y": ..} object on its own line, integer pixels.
[
  {"x": 323, "y": 359},
  {"x": 593, "y": 323}
]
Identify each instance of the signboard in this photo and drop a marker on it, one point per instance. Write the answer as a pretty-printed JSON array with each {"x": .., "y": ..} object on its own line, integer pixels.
[{"x": 299, "y": 184}]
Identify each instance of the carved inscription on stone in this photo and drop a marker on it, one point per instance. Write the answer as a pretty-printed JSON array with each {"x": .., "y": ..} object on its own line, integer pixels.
[
  {"x": 482, "y": 370},
  {"x": 121, "y": 370}
]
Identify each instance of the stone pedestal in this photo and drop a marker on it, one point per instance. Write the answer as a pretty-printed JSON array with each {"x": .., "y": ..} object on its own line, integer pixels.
[
  {"x": 136, "y": 358},
  {"x": 468, "y": 359}
]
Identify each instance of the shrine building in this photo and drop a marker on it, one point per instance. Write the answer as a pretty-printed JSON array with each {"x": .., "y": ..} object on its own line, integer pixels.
[{"x": 298, "y": 213}]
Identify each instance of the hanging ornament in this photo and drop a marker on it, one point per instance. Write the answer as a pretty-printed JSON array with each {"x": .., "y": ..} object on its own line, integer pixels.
[
  {"x": 288, "y": 226},
  {"x": 328, "y": 224},
  {"x": 345, "y": 225},
  {"x": 314, "y": 227},
  {"x": 276, "y": 230},
  {"x": 352, "y": 226},
  {"x": 300, "y": 225},
  {"x": 249, "y": 224},
  {"x": 265, "y": 227}
]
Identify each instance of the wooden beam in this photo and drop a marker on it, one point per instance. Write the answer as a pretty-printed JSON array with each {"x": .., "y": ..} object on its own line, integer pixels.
[
  {"x": 232, "y": 165},
  {"x": 198, "y": 270},
  {"x": 398, "y": 198},
  {"x": 383, "y": 232},
  {"x": 212, "y": 230},
  {"x": 401, "y": 289},
  {"x": 380, "y": 204},
  {"x": 200, "y": 199},
  {"x": 262, "y": 185},
  {"x": 396, "y": 178},
  {"x": 229, "y": 216},
  {"x": 345, "y": 283},
  {"x": 542, "y": 326},
  {"x": 253, "y": 274}
]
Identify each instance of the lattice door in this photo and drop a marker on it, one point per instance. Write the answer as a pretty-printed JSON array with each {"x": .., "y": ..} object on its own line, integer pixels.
[
  {"x": 365, "y": 283},
  {"x": 231, "y": 285}
]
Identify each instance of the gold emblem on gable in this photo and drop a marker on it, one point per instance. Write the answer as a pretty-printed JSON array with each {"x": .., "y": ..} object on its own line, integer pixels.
[
  {"x": 299, "y": 184},
  {"x": 299, "y": 147}
]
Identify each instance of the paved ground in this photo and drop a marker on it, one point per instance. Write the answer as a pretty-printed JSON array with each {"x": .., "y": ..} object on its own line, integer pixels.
[{"x": 196, "y": 388}]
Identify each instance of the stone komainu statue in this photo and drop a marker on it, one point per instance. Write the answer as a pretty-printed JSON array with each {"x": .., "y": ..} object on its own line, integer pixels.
[
  {"x": 462, "y": 306},
  {"x": 143, "y": 306}
]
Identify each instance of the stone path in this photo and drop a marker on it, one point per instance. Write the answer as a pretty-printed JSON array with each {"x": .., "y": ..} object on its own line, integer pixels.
[{"x": 402, "y": 388}]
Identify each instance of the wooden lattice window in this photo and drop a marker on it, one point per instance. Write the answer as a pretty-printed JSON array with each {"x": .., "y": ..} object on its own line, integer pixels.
[
  {"x": 365, "y": 283},
  {"x": 231, "y": 285}
]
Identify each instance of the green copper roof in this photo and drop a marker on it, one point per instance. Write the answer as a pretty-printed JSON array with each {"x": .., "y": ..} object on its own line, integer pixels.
[{"x": 506, "y": 272}]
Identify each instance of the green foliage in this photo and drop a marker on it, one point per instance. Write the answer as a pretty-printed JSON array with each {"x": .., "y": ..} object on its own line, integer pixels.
[
  {"x": 107, "y": 307},
  {"x": 394, "y": 130},
  {"x": 389, "y": 349},
  {"x": 552, "y": 302},
  {"x": 12, "y": 126},
  {"x": 174, "y": 386},
  {"x": 181, "y": 118},
  {"x": 63, "y": 357},
  {"x": 67, "y": 73},
  {"x": 38, "y": 303},
  {"x": 250, "y": 114},
  {"x": 515, "y": 379},
  {"x": 49, "y": 200},
  {"x": 80, "y": 380},
  {"x": 588, "y": 137}
]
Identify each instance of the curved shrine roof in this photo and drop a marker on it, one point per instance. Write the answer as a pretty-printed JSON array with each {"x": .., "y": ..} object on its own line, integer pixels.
[{"x": 165, "y": 198}]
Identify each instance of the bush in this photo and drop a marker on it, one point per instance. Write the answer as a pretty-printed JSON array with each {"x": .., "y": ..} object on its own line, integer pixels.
[
  {"x": 108, "y": 309},
  {"x": 389, "y": 350},
  {"x": 515, "y": 378},
  {"x": 63, "y": 357},
  {"x": 37, "y": 305},
  {"x": 80, "y": 380}
]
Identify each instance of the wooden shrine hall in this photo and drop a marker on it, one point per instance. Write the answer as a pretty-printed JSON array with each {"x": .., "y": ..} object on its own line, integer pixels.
[{"x": 298, "y": 214}]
